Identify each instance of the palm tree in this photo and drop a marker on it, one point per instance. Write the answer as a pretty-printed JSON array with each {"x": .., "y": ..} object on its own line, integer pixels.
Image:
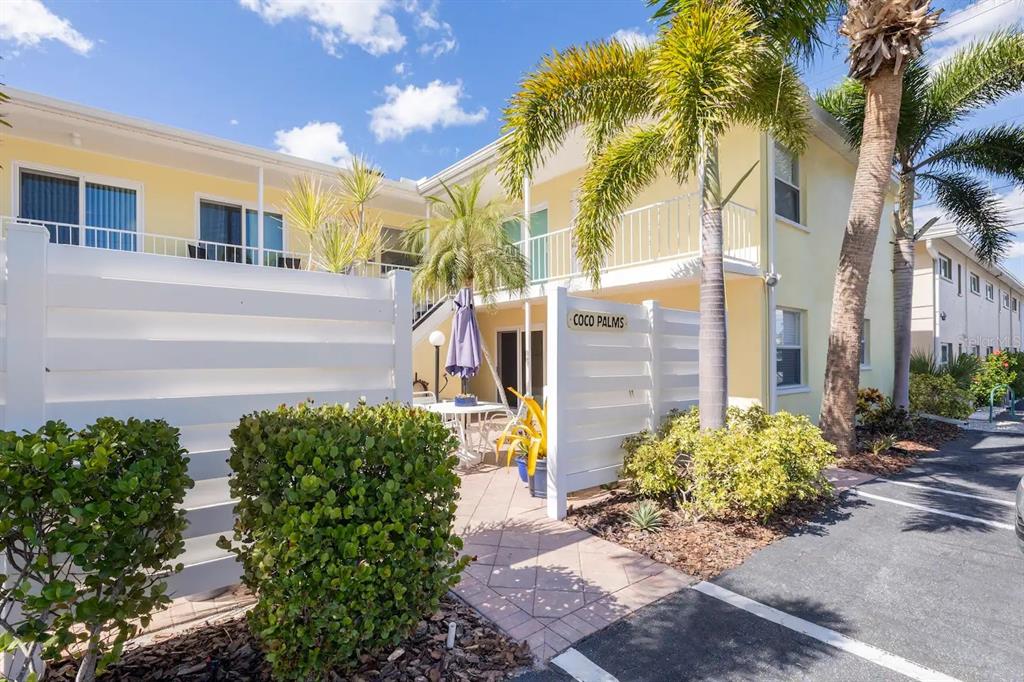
[
  {"x": 931, "y": 154},
  {"x": 662, "y": 109},
  {"x": 464, "y": 244},
  {"x": 308, "y": 207},
  {"x": 884, "y": 35}
]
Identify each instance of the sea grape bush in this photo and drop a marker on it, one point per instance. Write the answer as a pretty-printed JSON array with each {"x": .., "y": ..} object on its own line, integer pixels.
[
  {"x": 90, "y": 524},
  {"x": 344, "y": 529}
]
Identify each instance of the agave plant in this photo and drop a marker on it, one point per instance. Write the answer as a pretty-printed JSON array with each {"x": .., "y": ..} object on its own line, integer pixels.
[
  {"x": 647, "y": 517},
  {"x": 528, "y": 434}
]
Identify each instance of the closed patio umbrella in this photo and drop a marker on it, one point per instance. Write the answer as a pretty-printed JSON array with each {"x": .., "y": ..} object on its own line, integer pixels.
[{"x": 464, "y": 351}]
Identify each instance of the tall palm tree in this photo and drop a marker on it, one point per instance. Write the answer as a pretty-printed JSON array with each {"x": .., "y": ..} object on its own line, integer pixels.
[
  {"x": 931, "y": 153},
  {"x": 464, "y": 244},
  {"x": 883, "y": 36},
  {"x": 662, "y": 109}
]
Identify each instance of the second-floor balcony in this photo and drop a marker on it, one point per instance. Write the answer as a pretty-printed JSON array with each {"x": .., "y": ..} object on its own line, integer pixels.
[{"x": 662, "y": 231}]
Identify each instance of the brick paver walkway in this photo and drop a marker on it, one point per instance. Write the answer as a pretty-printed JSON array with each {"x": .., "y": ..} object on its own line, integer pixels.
[{"x": 543, "y": 581}]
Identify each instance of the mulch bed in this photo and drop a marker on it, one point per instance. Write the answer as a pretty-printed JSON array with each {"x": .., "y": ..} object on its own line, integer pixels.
[
  {"x": 702, "y": 548},
  {"x": 227, "y": 651},
  {"x": 928, "y": 435}
]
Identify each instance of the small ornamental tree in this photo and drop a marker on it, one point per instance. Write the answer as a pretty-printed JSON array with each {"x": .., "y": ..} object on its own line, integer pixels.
[
  {"x": 344, "y": 528},
  {"x": 995, "y": 371},
  {"x": 90, "y": 523}
]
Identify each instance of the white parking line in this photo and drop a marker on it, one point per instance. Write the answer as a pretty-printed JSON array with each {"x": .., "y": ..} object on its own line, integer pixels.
[
  {"x": 822, "y": 634},
  {"x": 1008, "y": 503},
  {"x": 582, "y": 668},
  {"x": 931, "y": 510}
]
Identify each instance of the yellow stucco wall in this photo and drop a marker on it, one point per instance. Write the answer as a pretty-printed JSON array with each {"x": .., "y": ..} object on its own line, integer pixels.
[
  {"x": 168, "y": 195},
  {"x": 806, "y": 258}
]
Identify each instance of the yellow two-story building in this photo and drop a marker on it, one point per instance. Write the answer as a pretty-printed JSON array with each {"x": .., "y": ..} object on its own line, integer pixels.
[{"x": 102, "y": 180}]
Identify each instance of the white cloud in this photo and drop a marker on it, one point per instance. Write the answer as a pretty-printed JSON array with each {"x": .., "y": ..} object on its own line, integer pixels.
[
  {"x": 970, "y": 23},
  {"x": 402, "y": 69},
  {"x": 633, "y": 37},
  {"x": 368, "y": 24},
  {"x": 414, "y": 108},
  {"x": 438, "y": 47},
  {"x": 233, "y": 122},
  {"x": 315, "y": 141},
  {"x": 427, "y": 21},
  {"x": 29, "y": 22}
]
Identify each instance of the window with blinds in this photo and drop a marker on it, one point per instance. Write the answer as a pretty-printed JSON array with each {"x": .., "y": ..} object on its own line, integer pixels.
[
  {"x": 789, "y": 351},
  {"x": 78, "y": 211},
  {"x": 787, "y": 184}
]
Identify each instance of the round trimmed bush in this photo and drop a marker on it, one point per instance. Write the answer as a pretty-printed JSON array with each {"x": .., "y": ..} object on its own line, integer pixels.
[{"x": 344, "y": 527}]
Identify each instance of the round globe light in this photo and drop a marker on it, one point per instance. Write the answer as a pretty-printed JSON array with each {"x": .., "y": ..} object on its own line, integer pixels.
[{"x": 436, "y": 338}]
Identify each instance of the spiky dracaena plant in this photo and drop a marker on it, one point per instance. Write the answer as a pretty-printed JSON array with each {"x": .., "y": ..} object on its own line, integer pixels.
[
  {"x": 935, "y": 154},
  {"x": 359, "y": 185},
  {"x": 883, "y": 36},
  {"x": 309, "y": 206},
  {"x": 464, "y": 244},
  {"x": 662, "y": 109}
]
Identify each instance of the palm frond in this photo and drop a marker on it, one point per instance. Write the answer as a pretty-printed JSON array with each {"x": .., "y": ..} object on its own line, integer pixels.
[
  {"x": 361, "y": 182},
  {"x": 704, "y": 66},
  {"x": 845, "y": 101},
  {"x": 602, "y": 86},
  {"x": 975, "y": 210},
  {"x": 996, "y": 151},
  {"x": 628, "y": 163},
  {"x": 777, "y": 103},
  {"x": 976, "y": 76}
]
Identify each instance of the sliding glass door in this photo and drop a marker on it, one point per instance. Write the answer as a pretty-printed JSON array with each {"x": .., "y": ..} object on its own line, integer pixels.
[{"x": 51, "y": 199}]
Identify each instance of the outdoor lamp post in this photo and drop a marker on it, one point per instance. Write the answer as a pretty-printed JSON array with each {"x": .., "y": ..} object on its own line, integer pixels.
[{"x": 437, "y": 340}]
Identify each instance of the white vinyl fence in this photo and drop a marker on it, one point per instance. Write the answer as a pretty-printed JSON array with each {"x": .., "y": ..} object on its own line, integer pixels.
[
  {"x": 95, "y": 332},
  {"x": 613, "y": 370}
]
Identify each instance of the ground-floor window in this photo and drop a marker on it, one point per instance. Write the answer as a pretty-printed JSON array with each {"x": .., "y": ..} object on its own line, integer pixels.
[
  {"x": 945, "y": 353},
  {"x": 988, "y": 351},
  {"x": 789, "y": 349}
]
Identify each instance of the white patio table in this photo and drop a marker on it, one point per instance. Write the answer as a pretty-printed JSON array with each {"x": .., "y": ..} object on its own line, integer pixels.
[{"x": 465, "y": 414}]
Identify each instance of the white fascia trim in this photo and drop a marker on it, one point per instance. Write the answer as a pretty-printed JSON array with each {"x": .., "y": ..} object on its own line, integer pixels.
[
  {"x": 196, "y": 142},
  {"x": 950, "y": 234}
]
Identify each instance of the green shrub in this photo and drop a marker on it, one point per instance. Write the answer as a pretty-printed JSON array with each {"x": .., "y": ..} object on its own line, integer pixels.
[
  {"x": 655, "y": 464},
  {"x": 996, "y": 370},
  {"x": 962, "y": 369},
  {"x": 108, "y": 498},
  {"x": 939, "y": 395},
  {"x": 759, "y": 465},
  {"x": 877, "y": 414},
  {"x": 923, "y": 363},
  {"x": 344, "y": 527}
]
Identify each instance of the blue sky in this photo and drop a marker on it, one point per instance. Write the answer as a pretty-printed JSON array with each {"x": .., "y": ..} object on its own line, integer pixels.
[{"x": 412, "y": 84}]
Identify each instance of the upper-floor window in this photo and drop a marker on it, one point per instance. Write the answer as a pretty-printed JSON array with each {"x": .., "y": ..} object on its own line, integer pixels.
[
  {"x": 945, "y": 264},
  {"x": 789, "y": 353},
  {"x": 394, "y": 251},
  {"x": 787, "y": 184},
  {"x": 80, "y": 210},
  {"x": 989, "y": 291},
  {"x": 1006, "y": 300},
  {"x": 975, "y": 283},
  {"x": 1015, "y": 304}
]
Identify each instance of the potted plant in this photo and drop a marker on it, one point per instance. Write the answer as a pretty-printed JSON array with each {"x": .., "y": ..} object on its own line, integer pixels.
[{"x": 528, "y": 436}]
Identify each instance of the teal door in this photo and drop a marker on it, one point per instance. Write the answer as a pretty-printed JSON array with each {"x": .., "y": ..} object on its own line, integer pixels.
[{"x": 539, "y": 247}]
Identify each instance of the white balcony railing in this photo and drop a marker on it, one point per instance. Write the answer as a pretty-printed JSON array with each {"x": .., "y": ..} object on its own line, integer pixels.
[{"x": 664, "y": 230}]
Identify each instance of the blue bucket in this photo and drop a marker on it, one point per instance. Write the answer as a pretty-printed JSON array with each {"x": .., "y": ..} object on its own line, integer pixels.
[{"x": 521, "y": 463}]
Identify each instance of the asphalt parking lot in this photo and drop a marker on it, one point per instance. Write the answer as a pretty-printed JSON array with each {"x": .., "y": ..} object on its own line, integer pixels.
[{"x": 915, "y": 577}]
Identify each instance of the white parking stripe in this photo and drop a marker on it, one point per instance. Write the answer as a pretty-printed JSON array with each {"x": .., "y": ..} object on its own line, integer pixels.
[
  {"x": 822, "y": 634},
  {"x": 581, "y": 667},
  {"x": 931, "y": 510},
  {"x": 1008, "y": 503}
]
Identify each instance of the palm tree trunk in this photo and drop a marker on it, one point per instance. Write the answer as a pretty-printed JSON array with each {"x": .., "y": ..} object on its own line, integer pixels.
[
  {"x": 903, "y": 290},
  {"x": 713, "y": 394},
  {"x": 902, "y": 305},
  {"x": 883, "y": 94}
]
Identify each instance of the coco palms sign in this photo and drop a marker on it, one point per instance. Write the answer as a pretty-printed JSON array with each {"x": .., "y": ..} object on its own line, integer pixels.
[{"x": 592, "y": 321}]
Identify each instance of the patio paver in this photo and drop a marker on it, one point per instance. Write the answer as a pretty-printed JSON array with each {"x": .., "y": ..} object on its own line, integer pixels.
[{"x": 541, "y": 581}]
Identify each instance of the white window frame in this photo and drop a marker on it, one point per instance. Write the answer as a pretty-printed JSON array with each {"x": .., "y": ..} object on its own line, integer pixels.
[
  {"x": 83, "y": 178},
  {"x": 1016, "y": 304},
  {"x": 1004, "y": 296},
  {"x": 200, "y": 197},
  {"x": 974, "y": 283},
  {"x": 945, "y": 353},
  {"x": 944, "y": 260},
  {"x": 990, "y": 291},
  {"x": 799, "y": 192},
  {"x": 783, "y": 389}
]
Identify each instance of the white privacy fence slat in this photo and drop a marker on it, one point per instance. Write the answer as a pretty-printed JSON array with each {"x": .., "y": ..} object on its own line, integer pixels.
[
  {"x": 89, "y": 333},
  {"x": 613, "y": 370}
]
